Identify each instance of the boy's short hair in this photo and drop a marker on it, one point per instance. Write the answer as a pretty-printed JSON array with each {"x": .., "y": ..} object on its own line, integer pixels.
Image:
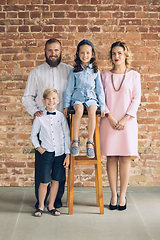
[{"x": 48, "y": 91}]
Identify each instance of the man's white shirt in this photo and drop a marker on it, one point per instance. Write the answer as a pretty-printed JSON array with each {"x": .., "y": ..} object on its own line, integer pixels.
[{"x": 41, "y": 78}]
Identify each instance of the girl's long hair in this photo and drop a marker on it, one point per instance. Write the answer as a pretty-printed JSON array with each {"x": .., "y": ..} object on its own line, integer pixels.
[{"x": 78, "y": 67}]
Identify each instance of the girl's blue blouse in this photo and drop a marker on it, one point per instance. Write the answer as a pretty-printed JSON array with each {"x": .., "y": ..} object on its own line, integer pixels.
[{"x": 83, "y": 86}]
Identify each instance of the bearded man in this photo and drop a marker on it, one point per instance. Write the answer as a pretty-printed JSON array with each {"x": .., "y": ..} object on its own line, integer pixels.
[{"x": 51, "y": 74}]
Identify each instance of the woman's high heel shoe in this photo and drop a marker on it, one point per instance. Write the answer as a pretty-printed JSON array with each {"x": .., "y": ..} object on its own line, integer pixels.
[
  {"x": 121, "y": 208},
  {"x": 113, "y": 207}
]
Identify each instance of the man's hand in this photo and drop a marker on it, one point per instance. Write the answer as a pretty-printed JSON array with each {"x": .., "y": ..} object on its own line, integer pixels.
[{"x": 38, "y": 114}]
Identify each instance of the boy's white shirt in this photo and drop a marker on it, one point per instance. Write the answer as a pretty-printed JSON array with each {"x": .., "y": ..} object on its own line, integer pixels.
[{"x": 53, "y": 132}]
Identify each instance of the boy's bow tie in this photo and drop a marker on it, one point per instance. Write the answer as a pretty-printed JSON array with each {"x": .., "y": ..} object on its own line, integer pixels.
[{"x": 53, "y": 113}]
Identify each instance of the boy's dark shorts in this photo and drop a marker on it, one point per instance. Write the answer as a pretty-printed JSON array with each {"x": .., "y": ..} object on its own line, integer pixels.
[{"x": 52, "y": 167}]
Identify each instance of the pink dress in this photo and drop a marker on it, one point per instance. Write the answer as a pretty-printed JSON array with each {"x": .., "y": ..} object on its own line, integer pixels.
[{"x": 125, "y": 101}]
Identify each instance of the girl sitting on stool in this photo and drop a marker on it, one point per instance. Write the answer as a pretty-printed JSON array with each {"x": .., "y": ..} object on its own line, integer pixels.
[{"x": 84, "y": 89}]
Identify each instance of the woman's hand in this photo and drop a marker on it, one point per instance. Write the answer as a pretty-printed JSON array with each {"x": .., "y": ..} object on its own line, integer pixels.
[
  {"x": 122, "y": 123},
  {"x": 65, "y": 111},
  {"x": 66, "y": 161},
  {"x": 113, "y": 122}
]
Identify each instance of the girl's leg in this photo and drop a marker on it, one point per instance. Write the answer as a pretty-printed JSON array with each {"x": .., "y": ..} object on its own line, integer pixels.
[
  {"x": 112, "y": 171},
  {"x": 41, "y": 194},
  {"x": 124, "y": 171},
  {"x": 53, "y": 194},
  {"x": 91, "y": 123},
  {"x": 77, "y": 122}
]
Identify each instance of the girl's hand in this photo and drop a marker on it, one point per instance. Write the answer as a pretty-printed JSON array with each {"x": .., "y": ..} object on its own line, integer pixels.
[
  {"x": 122, "y": 123},
  {"x": 65, "y": 111},
  {"x": 102, "y": 113},
  {"x": 41, "y": 150},
  {"x": 113, "y": 122},
  {"x": 66, "y": 161}
]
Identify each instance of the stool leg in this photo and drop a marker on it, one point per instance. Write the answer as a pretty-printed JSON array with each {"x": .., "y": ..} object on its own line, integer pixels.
[
  {"x": 97, "y": 187},
  {"x": 71, "y": 185},
  {"x": 99, "y": 171},
  {"x": 68, "y": 190},
  {"x": 71, "y": 175}
]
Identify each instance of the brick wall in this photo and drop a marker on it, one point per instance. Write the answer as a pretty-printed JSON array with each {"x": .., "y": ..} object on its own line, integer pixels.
[{"x": 25, "y": 25}]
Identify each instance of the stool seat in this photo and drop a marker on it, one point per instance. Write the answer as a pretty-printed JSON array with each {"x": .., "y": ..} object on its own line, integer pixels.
[{"x": 84, "y": 160}]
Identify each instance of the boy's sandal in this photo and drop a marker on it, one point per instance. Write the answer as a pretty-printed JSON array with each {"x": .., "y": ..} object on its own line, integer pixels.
[
  {"x": 90, "y": 151},
  {"x": 75, "y": 149},
  {"x": 38, "y": 211},
  {"x": 54, "y": 211}
]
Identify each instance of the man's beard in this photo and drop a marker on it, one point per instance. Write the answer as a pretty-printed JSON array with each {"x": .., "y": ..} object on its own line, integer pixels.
[{"x": 55, "y": 63}]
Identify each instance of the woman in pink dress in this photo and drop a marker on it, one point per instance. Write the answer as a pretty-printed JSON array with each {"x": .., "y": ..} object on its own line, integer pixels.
[{"x": 119, "y": 129}]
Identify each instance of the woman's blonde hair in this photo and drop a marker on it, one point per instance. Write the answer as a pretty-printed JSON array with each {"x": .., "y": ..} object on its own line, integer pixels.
[
  {"x": 48, "y": 91},
  {"x": 127, "y": 52}
]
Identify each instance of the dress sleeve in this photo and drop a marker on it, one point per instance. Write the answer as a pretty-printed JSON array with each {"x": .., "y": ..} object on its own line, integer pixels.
[
  {"x": 69, "y": 90},
  {"x": 136, "y": 96},
  {"x": 105, "y": 92}
]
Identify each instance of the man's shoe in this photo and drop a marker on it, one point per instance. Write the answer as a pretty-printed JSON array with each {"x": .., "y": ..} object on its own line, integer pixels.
[
  {"x": 36, "y": 205},
  {"x": 58, "y": 204}
]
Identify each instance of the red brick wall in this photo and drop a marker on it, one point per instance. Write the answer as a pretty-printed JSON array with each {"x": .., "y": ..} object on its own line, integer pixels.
[{"x": 25, "y": 25}]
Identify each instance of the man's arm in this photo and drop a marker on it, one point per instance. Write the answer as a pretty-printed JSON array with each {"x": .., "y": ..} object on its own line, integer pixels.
[{"x": 30, "y": 94}]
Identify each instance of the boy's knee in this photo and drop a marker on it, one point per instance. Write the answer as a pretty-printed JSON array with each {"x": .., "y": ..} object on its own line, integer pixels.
[{"x": 44, "y": 184}]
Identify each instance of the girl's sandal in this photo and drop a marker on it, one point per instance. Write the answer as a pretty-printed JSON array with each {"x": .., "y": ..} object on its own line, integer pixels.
[
  {"x": 75, "y": 149},
  {"x": 54, "y": 211},
  {"x": 90, "y": 151},
  {"x": 38, "y": 211}
]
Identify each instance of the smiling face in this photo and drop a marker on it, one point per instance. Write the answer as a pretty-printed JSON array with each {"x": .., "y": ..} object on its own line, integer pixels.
[
  {"x": 53, "y": 54},
  {"x": 51, "y": 101},
  {"x": 118, "y": 56},
  {"x": 85, "y": 54}
]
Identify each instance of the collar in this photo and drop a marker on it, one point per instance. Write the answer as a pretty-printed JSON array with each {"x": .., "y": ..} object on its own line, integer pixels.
[
  {"x": 45, "y": 111},
  {"x": 88, "y": 66}
]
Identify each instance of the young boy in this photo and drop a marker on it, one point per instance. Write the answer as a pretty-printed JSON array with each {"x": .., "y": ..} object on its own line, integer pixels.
[{"x": 53, "y": 131}]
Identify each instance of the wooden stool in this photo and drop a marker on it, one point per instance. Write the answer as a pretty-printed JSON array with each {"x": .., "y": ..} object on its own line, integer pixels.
[{"x": 80, "y": 160}]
